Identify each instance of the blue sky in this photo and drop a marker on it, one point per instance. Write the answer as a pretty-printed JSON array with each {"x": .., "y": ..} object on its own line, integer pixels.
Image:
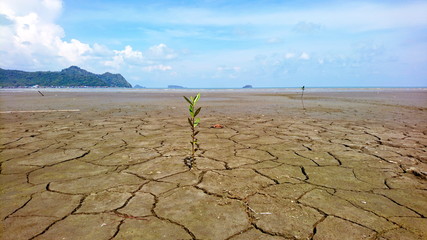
[{"x": 209, "y": 43}]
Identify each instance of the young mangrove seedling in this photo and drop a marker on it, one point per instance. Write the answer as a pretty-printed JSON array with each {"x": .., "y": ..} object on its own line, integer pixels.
[
  {"x": 302, "y": 96},
  {"x": 194, "y": 122}
]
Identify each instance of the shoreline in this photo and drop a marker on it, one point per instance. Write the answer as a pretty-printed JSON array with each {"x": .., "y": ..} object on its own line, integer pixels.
[{"x": 219, "y": 90}]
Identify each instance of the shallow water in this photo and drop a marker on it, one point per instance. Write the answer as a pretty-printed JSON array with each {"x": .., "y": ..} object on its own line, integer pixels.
[{"x": 246, "y": 90}]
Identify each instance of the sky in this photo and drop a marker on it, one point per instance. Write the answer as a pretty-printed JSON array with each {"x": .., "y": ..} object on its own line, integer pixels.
[{"x": 222, "y": 43}]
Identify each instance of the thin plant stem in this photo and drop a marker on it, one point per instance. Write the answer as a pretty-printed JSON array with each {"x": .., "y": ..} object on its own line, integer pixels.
[
  {"x": 194, "y": 122},
  {"x": 302, "y": 97}
]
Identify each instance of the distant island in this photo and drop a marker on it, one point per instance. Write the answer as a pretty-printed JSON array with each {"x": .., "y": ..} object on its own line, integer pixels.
[
  {"x": 69, "y": 77},
  {"x": 247, "y": 86},
  {"x": 138, "y": 86},
  {"x": 175, "y": 86}
]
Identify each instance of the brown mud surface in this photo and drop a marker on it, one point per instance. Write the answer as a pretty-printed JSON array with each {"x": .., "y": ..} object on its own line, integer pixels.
[{"x": 351, "y": 165}]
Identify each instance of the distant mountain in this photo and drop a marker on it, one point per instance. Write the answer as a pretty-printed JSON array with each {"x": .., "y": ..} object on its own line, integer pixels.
[
  {"x": 175, "y": 86},
  {"x": 69, "y": 77},
  {"x": 138, "y": 86},
  {"x": 247, "y": 86}
]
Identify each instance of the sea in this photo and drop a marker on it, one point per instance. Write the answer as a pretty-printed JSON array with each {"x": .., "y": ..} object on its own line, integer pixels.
[{"x": 246, "y": 90}]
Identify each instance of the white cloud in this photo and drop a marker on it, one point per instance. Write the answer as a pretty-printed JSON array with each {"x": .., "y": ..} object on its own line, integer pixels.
[
  {"x": 47, "y": 9},
  {"x": 159, "y": 67},
  {"x": 153, "y": 57},
  {"x": 289, "y": 55},
  {"x": 54, "y": 6},
  {"x": 74, "y": 51},
  {"x": 126, "y": 56},
  {"x": 304, "y": 56},
  {"x": 33, "y": 40},
  {"x": 129, "y": 53},
  {"x": 99, "y": 50},
  {"x": 116, "y": 62},
  {"x": 161, "y": 52}
]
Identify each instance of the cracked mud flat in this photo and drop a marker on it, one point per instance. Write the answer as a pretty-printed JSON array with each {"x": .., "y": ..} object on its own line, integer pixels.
[{"x": 348, "y": 167}]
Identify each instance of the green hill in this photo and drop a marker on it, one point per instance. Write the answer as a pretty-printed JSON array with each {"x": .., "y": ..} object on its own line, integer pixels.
[{"x": 69, "y": 77}]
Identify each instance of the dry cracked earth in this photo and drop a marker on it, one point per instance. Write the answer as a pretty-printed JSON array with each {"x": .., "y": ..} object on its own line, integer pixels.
[{"x": 119, "y": 174}]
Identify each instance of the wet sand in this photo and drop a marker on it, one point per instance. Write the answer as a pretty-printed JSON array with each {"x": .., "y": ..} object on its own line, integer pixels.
[{"x": 352, "y": 165}]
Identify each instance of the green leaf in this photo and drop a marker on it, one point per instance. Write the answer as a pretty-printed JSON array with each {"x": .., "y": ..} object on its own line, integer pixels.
[
  {"x": 197, "y": 98},
  {"x": 191, "y": 109},
  {"x": 197, "y": 111},
  {"x": 196, "y": 121},
  {"x": 192, "y": 99},
  {"x": 188, "y": 100}
]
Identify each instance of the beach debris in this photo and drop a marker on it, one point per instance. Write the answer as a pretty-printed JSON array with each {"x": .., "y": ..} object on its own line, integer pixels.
[
  {"x": 217, "y": 126},
  {"x": 417, "y": 172},
  {"x": 41, "y": 93},
  {"x": 260, "y": 213},
  {"x": 194, "y": 122}
]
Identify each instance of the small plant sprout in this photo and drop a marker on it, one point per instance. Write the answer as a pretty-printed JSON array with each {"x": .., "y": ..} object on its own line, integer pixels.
[
  {"x": 302, "y": 96},
  {"x": 194, "y": 122}
]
